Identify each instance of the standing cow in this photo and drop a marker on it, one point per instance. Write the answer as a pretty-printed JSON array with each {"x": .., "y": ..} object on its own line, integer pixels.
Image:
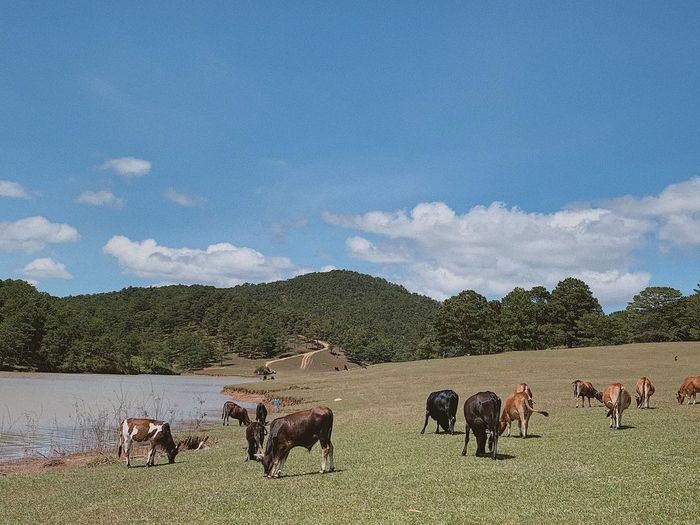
[
  {"x": 645, "y": 389},
  {"x": 442, "y": 407},
  {"x": 518, "y": 407},
  {"x": 481, "y": 412},
  {"x": 300, "y": 429},
  {"x": 584, "y": 389},
  {"x": 255, "y": 435},
  {"x": 156, "y": 433},
  {"x": 261, "y": 414},
  {"x": 617, "y": 399},
  {"x": 523, "y": 387},
  {"x": 234, "y": 411},
  {"x": 689, "y": 388}
]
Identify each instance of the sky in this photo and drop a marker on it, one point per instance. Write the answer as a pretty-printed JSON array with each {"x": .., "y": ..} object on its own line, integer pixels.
[{"x": 442, "y": 146}]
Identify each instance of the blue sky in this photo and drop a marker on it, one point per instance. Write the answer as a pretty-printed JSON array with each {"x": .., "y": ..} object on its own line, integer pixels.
[{"x": 443, "y": 147}]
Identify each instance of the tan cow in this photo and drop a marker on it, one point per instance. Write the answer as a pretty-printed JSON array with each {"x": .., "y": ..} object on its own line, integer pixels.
[
  {"x": 584, "y": 389},
  {"x": 645, "y": 389},
  {"x": 689, "y": 389},
  {"x": 617, "y": 399},
  {"x": 518, "y": 407},
  {"x": 523, "y": 387}
]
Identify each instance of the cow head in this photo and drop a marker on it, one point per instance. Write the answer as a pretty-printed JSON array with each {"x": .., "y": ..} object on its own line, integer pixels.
[
  {"x": 680, "y": 397},
  {"x": 173, "y": 450},
  {"x": 598, "y": 396},
  {"x": 639, "y": 400},
  {"x": 266, "y": 460}
]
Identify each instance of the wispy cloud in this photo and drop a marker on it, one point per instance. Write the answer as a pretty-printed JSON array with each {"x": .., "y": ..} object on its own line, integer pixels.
[
  {"x": 280, "y": 229},
  {"x": 33, "y": 234},
  {"x": 46, "y": 268},
  {"x": 12, "y": 189},
  {"x": 184, "y": 199},
  {"x": 100, "y": 198},
  {"x": 127, "y": 166}
]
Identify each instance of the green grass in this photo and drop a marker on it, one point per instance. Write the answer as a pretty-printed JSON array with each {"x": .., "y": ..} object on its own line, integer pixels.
[{"x": 576, "y": 471}]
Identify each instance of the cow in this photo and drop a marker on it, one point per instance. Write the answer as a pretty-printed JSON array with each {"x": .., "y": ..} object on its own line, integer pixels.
[
  {"x": 689, "y": 388},
  {"x": 255, "y": 435},
  {"x": 617, "y": 399},
  {"x": 481, "y": 412},
  {"x": 442, "y": 407},
  {"x": 645, "y": 389},
  {"x": 300, "y": 429},
  {"x": 142, "y": 430},
  {"x": 261, "y": 414},
  {"x": 583, "y": 389},
  {"x": 523, "y": 387},
  {"x": 518, "y": 407},
  {"x": 234, "y": 411}
]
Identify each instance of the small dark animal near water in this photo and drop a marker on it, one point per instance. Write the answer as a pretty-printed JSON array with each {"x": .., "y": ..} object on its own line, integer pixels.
[
  {"x": 617, "y": 399},
  {"x": 234, "y": 411},
  {"x": 255, "y": 435},
  {"x": 261, "y": 414},
  {"x": 518, "y": 407},
  {"x": 689, "y": 388},
  {"x": 584, "y": 389},
  {"x": 442, "y": 407},
  {"x": 481, "y": 412},
  {"x": 142, "y": 430},
  {"x": 300, "y": 429},
  {"x": 645, "y": 389}
]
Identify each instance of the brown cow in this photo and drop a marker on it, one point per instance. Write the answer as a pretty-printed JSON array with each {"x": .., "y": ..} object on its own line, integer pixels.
[
  {"x": 255, "y": 435},
  {"x": 617, "y": 399},
  {"x": 523, "y": 387},
  {"x": 234, "y": 411},
  {"x": 518, "y": 407},
  {"x": 300, "y": 429},
  {"x": 152, "y": 431},
  {"x": 583, "y": 389},
  {"x": 689, "y": 388},
  {"x": 645, "y": 389}
]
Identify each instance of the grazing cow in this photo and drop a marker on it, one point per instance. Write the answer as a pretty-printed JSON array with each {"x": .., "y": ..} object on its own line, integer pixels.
[
  {"x": 300, "y": 429},
  {"x": 524, "y": 387},
  {"x": 481, "y": 412},
  {"x": 152, "y": 431},
  {"x": 645, "y": 389},
  {"x": 255, "y": 435},
  {"x": 518, "y": 407},
  {"x": 261, "y": 414},
  {"x": 583, "y": 389},
  {"x": 617, "y": 399},
  {"x": 442, "y": 407},
  {"x": 689, "y": 388},
  {"x": 234, "y": 411}
]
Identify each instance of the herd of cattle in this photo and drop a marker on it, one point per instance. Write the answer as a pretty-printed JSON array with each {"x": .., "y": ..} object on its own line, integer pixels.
[{"x": 482, "y": 413}]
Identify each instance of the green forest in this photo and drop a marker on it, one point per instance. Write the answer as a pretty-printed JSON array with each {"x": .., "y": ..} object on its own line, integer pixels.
[{"x": 175, "y": 328}]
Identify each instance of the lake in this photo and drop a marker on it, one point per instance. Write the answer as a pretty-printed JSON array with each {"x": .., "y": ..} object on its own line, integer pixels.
[{"x": 50, "y": 414}]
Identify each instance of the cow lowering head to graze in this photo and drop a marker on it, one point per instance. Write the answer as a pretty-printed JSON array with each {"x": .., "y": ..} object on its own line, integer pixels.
[
  {"x": 255, "y": 435},
  {"x": 300, "y": 429},
  {"x": 518, "y": 407},
  {"x": 523, "y": 387},
  {"x": 617, "y": 399},
  {"x": 645, "y": 389},
  {"x": 442, "y": 407},
  {"x": 584, "y": 389},
  {"x": 234, "y": 411},
  {"x": 142, "y": 430},
  {"x": 261, "y": 414},
  {"x": 481, "y": 411},
  {"x": 689, "y": 388}
]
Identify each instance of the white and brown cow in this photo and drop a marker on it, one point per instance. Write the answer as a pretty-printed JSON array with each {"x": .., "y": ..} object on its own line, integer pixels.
[{"x": 142, "y": 430}]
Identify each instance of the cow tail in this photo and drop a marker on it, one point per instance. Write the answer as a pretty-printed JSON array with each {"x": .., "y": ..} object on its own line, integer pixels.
[
  {"x": 120, "y": 441},
  {"x": 575, "y": 385},
  {"x": 530, "y": 404}
]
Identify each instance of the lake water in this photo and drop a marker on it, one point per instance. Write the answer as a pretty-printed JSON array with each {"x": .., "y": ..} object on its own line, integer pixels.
[{"x": 49, "y": 414}]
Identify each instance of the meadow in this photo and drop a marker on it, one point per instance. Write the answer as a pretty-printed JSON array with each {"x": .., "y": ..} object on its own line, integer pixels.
[{"x": 573, "y": 469}]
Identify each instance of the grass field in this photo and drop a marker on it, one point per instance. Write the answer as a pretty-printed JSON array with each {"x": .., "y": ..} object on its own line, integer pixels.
[{"x": 574, "y": 469}]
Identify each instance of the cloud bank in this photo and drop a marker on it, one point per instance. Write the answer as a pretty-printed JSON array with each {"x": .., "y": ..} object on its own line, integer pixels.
[
  {"x": 33, "y": 234},
  {"x": 12, "y": 189},
  {"x": 46, "y": 268}
]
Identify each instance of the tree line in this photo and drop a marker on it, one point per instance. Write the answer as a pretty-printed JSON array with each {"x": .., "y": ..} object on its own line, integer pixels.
[{"x": 174, "y": 328}]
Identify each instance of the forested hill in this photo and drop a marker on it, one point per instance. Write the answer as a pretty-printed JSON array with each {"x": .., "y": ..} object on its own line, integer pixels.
[{"x": 171, "y": 328}]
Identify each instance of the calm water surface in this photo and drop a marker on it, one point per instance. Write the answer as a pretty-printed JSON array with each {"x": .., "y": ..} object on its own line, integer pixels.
[{"x": 49, "y": 414}]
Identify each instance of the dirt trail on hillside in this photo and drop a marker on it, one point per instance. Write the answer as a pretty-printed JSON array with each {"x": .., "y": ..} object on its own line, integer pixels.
[{"x": 306, "y": 358}]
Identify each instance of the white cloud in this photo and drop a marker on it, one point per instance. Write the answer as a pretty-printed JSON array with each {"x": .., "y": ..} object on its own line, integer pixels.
[
  {"x": 127, "y": 166},
  {"x": 100, "y": 198},
  {"x": 219, "y": 264},
  {"x": 361, "y": 248},
  {"x": 281, "y": 229},
  {"x": 46, "y": 268},
  {"x": 183, "y": 199},
  {"x": 327, "y": 268},
  {"x": 12, "y": 189},
  {"x": 33, "y": 234}
]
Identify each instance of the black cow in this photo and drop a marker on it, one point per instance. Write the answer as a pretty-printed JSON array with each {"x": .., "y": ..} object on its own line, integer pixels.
[
  {"x": 261, "y": 414},
  {"x": 255, "y": 435},
  {"x": 300, "y": 429},
  {"x": 442, "y": 407},
  {"x": 482, "y": 412}
]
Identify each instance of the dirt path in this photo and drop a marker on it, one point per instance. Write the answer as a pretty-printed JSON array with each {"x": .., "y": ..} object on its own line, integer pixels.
[{"x": 306, "y": 358}]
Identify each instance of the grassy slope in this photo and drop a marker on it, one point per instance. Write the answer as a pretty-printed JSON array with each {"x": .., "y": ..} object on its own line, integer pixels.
[{"x": 576, "y": 471}]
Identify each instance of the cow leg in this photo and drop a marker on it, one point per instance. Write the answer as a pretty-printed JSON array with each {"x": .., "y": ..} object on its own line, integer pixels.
[
  {"x": 577, "y": 400},
  {"x": 525, "y": 425},
  {"x": 452, "y": 425},
  {"x": 510, "y": 422},
  {"x": 466, "y": 439},
  {"x": 480, "y": 442},
  {"x": 589, "y": 402},
  {"x": 150, "y": 457},
  {"x": 127, "y": 451},
  {"x": 280, "y": 463},
  {"x": 427, "y": 415}
]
